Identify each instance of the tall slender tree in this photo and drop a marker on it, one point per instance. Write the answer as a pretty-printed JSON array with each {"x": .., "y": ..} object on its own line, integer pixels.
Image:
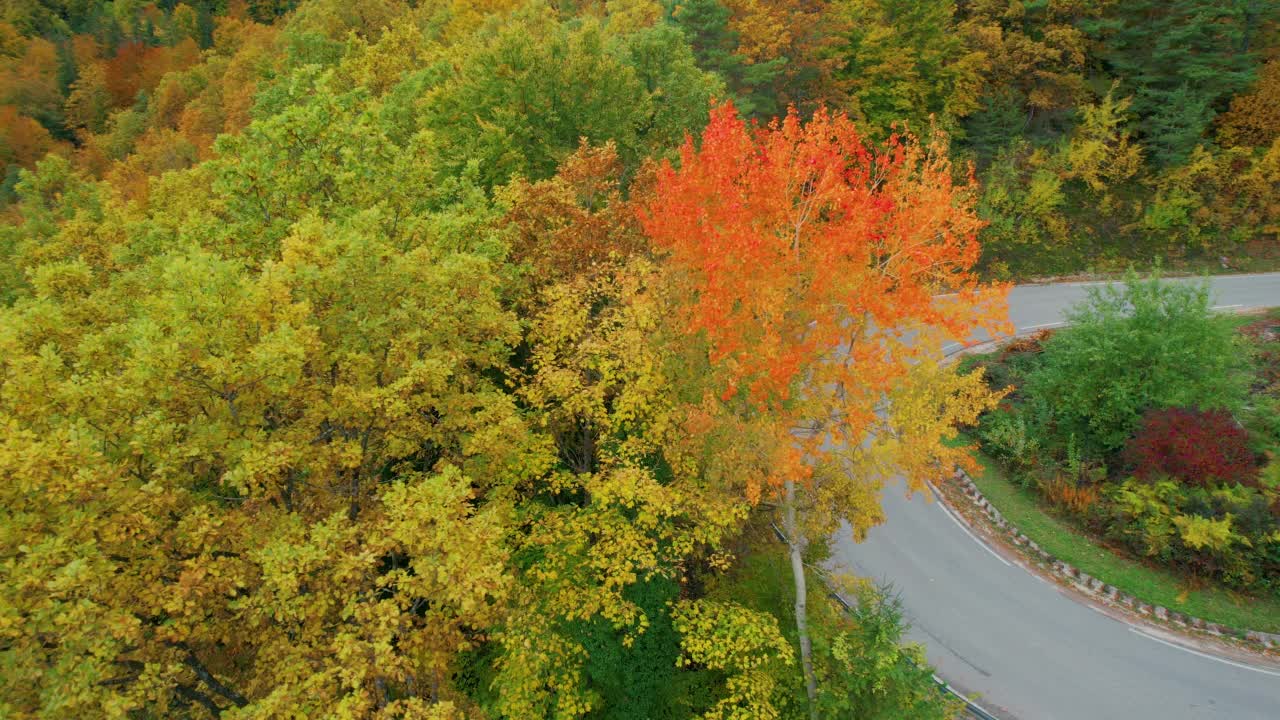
[{"x": 813, "y": 263}]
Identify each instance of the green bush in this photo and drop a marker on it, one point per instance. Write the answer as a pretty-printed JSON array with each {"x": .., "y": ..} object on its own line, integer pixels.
[
  {"x": 1009, "y": 438},
  {"x": 1079, "y": 397},
  {"x": 635, "y": 680},
  {"x": 866, "y": 669},
  {"x": 1131, "y": 347}
]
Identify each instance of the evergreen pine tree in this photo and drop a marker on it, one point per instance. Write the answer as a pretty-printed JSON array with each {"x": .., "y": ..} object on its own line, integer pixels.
[{"x": 1182, "y": 60}]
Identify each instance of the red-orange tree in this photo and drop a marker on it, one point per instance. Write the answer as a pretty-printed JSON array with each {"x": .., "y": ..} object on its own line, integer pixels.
[{"x": 825, "y": 273}]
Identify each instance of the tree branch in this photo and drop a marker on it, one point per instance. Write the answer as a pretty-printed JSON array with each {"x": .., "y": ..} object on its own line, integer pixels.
[
  {"x": 194, "y": 697},
  {"x": 207, "y": 677}
]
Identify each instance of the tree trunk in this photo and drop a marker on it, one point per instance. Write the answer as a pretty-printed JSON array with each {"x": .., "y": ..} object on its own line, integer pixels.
[{"x": 795, "y": 544}]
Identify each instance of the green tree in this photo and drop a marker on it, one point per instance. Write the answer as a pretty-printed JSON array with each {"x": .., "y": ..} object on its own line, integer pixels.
[
  {"x": 715, "y": 44},
  {"x": 50, "y": 195},
  {"x": 633, "y": 677},
  {"x": 996, "y": 124},
  {"x": 1181, "y": 61},
  {"x": 870, "y": 673},
  {"x": 905, "y": 61},
  {"x": 1131, "y": 347},
  {"x": 529, "y": 91}
]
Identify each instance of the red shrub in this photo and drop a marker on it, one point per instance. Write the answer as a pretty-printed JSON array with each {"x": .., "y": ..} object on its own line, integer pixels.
[{"x": 1200, "y": 447}]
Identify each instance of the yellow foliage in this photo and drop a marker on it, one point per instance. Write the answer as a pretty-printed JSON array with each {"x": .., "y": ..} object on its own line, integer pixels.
[
  {"x": 1200, "y": 532},
  {"x": 1100, "y": 151},
  {"x": 744, "y": 644},
  {"x": 1254, "y": 117}
]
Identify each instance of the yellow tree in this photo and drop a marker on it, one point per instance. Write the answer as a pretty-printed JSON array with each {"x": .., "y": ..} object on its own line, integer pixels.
[
  {"x": 1254, "y": 117},
  {"x": 905, "y": 61},
  {"x": 823, "y": 273},
  {"x": 1036, "y": 51},
  {"x": 242, "y": 488},
  {"x": 262, "y": 471},
  {"x": 642, "y": 446},
  {"x": 799, "y": 33},
  {"x": 1100, "y": 152}
]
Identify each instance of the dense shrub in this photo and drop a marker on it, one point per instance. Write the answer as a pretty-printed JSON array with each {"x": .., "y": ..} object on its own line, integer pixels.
[
  {"x": 1132, "y": 347},
  {"x": 1228, "y": 534},
  {"x": 1075, "y": 498},
  {"x": 1006, "y": 436},
  {"x": 1262, "y": 420},
  {"x": 1199, "y": 447},
  {"x": 633, "y": 673}
]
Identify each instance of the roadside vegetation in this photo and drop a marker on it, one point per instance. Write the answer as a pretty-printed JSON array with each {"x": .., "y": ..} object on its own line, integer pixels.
[
  {"x": 868, "y": 669},
  {"x": 1065, "y": 538},
  {"x": 1149, "y": 427}
]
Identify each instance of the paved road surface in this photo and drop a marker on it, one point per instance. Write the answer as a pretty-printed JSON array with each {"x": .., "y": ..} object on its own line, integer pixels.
[{"x": 1025, "y": 649}]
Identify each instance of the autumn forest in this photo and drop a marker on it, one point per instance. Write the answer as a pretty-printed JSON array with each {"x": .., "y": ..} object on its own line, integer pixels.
[{"x": 517, "y": 359}]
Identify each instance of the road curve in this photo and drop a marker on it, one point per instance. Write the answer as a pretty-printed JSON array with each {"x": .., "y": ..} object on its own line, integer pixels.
[{"x": 1021, "y": 646}]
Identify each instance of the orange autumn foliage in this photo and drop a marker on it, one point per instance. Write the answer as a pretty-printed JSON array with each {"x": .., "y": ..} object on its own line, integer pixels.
[
  {"x": 575, "y": 223},
  {"x": 1254, "y": 117},
  {"x": 1063, "y": 493},
  {"x": 787, "y": 232},
  {"x": 137, "y": 67},
  {"x": 23, "y": 141},
  {"x": 823, "y": 272}
]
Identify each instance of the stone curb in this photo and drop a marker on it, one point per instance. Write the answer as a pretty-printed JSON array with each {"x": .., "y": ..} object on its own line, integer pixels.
[{"x": 1096, "y": 588}]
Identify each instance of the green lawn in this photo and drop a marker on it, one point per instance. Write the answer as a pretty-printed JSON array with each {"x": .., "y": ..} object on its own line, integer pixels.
[{"x": 1214, "y": 604}]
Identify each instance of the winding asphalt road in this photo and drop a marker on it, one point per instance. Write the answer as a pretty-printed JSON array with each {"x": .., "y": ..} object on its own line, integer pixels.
[{"x": 1022, "y": 647}]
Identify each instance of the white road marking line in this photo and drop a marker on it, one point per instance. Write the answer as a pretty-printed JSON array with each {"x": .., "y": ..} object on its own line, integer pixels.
[
  {"x": 1225, "y": 307},
  {"x": 1042, "y": 325},
  {"x": 973, "y": 537},
  {"x": 1086, "y": 283},
  {"x": 1206, "y": 656}
]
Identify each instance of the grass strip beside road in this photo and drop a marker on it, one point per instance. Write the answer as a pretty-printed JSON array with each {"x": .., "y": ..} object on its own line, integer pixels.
[{"x": 1158, "y": 587}]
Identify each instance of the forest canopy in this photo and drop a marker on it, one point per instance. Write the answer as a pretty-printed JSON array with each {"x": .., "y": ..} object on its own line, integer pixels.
[
  {"x": 456, "y": 359},
  {"x": 1101, "y": 132}
]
